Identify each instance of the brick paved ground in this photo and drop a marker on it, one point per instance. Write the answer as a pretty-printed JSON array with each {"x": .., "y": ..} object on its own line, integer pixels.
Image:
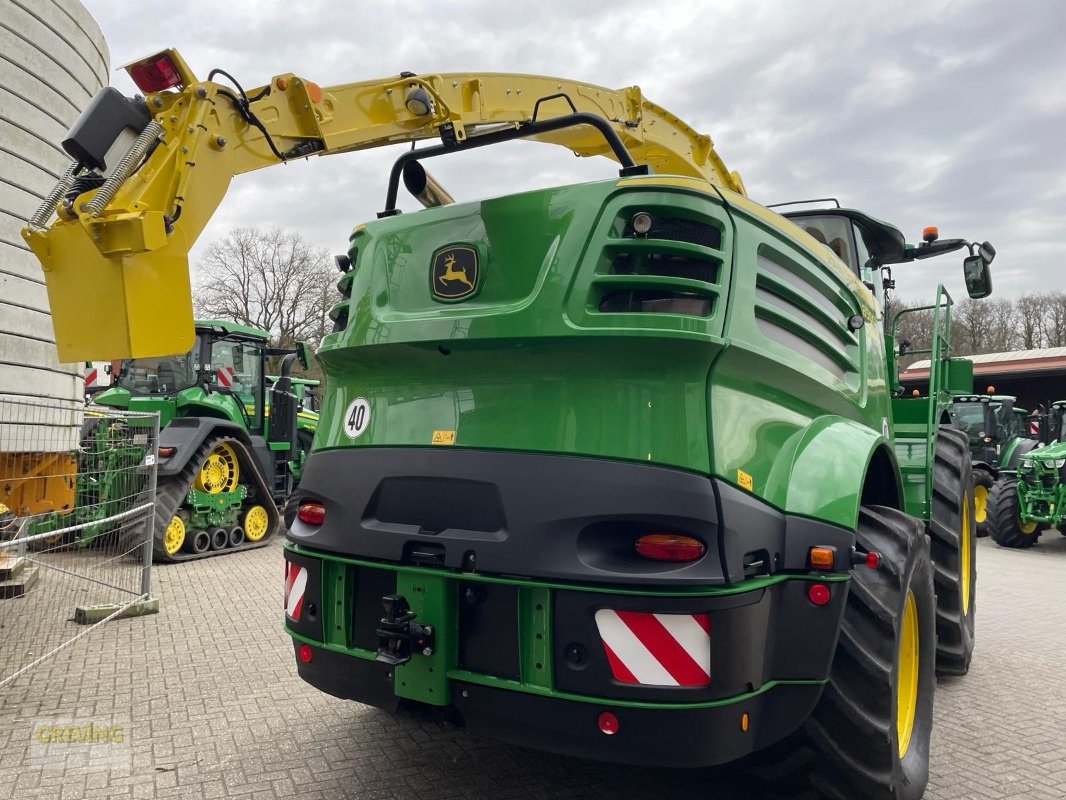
[{"x": 210, "y": 705}]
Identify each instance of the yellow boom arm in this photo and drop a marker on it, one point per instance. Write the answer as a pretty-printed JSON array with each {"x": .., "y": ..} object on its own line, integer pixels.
[{"x": 124, "y": 247}]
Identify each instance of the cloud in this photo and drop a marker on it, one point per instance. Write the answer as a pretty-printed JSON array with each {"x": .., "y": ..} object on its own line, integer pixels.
[{"x": 947, "y": 113}]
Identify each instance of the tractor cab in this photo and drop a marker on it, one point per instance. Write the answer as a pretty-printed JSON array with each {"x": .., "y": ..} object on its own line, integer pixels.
[{"x": 870, "y": 246}]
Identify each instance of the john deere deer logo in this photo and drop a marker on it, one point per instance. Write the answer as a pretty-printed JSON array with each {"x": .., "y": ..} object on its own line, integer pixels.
[{"x": 454, "y": 272}]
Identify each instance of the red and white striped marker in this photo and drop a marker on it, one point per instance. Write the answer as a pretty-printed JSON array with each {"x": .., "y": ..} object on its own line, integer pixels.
[
  {"x": 295, "y": 586},
  {"x": 90, "y": 377},
  {"x": 656, "y": 649},
  {"x": 225, "y": 376}
]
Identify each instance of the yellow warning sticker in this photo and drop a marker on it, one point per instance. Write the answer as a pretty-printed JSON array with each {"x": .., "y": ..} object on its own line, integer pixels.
[
  {"x": 443, "y": 437},
  {"x": 744, "y": 479}
]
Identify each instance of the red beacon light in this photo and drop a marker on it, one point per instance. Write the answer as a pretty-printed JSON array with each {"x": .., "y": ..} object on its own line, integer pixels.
[{"x": 158, "y": 72}]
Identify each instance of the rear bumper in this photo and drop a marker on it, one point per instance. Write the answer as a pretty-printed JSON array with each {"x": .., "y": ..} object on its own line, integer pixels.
[
  {"x": 646, "y": 735},
  {"x": 516, "y": 560}
]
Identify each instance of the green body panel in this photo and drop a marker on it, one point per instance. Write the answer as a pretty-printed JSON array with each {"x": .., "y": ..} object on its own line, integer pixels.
[
  {"x": 771, "y": 385},
  {"x": 191, "y": 402}
]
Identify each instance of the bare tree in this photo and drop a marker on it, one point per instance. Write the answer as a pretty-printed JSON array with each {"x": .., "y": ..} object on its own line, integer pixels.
[{"x": 273, "y": 280}]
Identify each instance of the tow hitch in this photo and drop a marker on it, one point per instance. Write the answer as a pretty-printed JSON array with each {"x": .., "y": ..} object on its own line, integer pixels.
[{"x": 399, "y": 635}]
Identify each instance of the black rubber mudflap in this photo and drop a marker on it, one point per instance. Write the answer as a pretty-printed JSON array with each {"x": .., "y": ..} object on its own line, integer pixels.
[{"x": 171, "y": 491}]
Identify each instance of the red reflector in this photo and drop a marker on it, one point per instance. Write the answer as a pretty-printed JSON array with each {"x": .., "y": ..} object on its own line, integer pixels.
[
  {"x": 670, "y": 547},
  {"x": 305, "y": 653},
  {"x": 608, "y": 723},
  {"x": 155, "y": 74},
  {"x": 873, "y": 560},
  {"x": 312, "y": 513},
  {"x": 819, "y": 594},
  {"x": 167, "y": 452}
]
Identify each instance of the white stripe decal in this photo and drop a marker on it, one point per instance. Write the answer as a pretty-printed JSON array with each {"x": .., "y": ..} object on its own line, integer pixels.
[
  {"x": 297, "y": 592},
  {"x": 691, "y": 636},
  {"x": 631, "y": 651}
]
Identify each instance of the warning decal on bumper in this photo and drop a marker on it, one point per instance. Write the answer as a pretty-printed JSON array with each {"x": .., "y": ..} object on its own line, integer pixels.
[{"x": 656, "y": 649}]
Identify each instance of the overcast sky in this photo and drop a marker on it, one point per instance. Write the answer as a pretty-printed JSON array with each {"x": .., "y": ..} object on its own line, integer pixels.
[{"x": 945, "y": 112}]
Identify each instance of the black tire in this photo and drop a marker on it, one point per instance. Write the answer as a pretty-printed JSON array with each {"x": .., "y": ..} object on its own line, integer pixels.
[
  {"x": 855, "y": 728},
  {"x": 236, "y": 536},
  {"x": 219, "y": 538},
  {"x": 1004, "y": 521},
  {"x": 954, "y": 551},
  {"x": 983, "y": 481},
  {"x": 198, "y": 541}
]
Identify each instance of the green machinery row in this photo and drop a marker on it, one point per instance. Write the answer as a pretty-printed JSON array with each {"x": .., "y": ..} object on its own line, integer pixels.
[
  {"x": 1019, "y": 474},
  {"x": 232, "y": 445}
]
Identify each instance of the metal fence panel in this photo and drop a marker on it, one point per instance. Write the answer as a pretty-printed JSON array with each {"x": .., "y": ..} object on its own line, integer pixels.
[{"x": 77, "y": 499}]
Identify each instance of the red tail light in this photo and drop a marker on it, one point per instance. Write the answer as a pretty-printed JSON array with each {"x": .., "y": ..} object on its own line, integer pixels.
[
  {"x": 312, "y": 512},
  {"x": 155, "y": 73},
  {"x": 819, "y": 594},
  {"x": 167, "y": 452},
  {"x": 305, "y": 653},
  {"x": 670, "y": 547}
]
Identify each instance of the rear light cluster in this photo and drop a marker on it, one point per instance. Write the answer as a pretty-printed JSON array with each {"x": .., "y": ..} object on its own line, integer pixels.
[
  {"x": 670, "y": 547},
  {"x": 312, "y": 512},
  {"x": 155, "y": 74}
]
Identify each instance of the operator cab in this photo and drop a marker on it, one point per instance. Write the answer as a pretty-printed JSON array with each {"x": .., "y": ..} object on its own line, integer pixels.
[{"x": 225, "y": 358}]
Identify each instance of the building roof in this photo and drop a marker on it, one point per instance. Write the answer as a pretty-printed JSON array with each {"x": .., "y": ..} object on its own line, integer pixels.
[{"x": 1047, "y": 359}]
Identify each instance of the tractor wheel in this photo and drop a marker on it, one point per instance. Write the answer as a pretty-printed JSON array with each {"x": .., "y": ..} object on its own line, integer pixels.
[
  {"x": 871, "y": 726},
  {"x": 174, "y": 535},
  {"x": 982, "y": 485},
  {"x": 1005, "y": 524},
  {"x": 219, "y": 538},
  {"x": 256, "y": 523},
  {"x": 954, "y": 551},
  {"x": 197, "y": 542},
  {"x": 236, "y": 536}
]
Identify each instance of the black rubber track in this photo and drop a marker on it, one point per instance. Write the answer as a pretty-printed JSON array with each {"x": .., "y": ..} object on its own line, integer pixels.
[
  {"x": 171, "y": 490},
  {"x": 1003, "y": 517},
  {"x": 853, "y": 729},
  {"x": 952, "y": 488},
  {"x": 982, "y": 477}
]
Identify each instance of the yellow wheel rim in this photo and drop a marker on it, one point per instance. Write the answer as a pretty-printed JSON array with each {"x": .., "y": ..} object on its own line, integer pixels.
[
  {"x": 1028, "y": 528},
  {"x": 256, "y": 522},
  {"x": 220, "y": 471},
  {"x": 174, "y": 535},
  {"x": 907, "y": 675},
  {"x": 980, "y": 504},
  {"x": 965, "y": 562}
]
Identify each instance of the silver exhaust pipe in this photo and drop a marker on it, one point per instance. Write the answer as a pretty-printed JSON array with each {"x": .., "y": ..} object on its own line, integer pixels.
[{"x": 424, "y": 188}]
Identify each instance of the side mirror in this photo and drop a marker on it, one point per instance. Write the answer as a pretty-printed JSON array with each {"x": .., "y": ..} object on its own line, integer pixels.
[
  {"x": 977, "y": 276},
  {"x": 303, "y": 355}
]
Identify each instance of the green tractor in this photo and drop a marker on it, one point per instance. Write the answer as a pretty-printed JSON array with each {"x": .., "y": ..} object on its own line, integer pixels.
[
  {"x": 229, "y": 450},
  {"x": 999, "y": 436},
  {"x": 1029, "y": 498}
]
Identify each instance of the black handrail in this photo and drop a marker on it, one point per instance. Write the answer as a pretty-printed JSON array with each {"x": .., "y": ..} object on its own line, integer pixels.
[{"x": 523, "y": 130}]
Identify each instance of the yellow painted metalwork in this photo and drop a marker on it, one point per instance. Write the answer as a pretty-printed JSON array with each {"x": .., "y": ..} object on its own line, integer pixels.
[
  {"x": 174, "y": 535},
  {"x": 128, "y": 261},
  {"x": 1028, "y": 527},
  {"x": 907, "y": 674},
  {"x": 36, "y": 483},
  {"x": 255, "y": 523},
  {"x": 965, "y": 562},
  {"x": 980, "y": 504},
  {"x": 220, "y": 471}
]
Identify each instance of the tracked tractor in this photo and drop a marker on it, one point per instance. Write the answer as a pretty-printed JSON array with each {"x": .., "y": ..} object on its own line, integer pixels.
[
  {"x": 612, "y": 469},
  {"x": 228, "y": 448},
  {"x": 999, "y": 436}
]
